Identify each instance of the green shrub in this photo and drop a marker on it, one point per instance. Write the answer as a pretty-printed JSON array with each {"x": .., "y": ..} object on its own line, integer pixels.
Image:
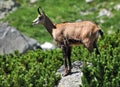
[
  {"x": 105, "y": 68},
  {"x": 34, "y": 69}
]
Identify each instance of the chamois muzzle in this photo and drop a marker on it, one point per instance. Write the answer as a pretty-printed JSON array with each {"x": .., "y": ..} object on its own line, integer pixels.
[
  {"x": 33, "y": 23},
  {"x": 36, "y": 21}
]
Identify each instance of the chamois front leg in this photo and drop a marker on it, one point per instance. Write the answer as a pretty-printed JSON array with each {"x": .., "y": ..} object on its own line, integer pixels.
[
  {"x": 65, "y": 56},
  {"x": 69, "y": 49}
]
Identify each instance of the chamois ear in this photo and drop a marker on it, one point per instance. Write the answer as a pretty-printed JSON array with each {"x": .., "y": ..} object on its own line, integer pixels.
[{"x": 40, "y": 11}]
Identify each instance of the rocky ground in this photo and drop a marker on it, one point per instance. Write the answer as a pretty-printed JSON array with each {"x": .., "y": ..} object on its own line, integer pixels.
[{"x": 74, "y": 79}]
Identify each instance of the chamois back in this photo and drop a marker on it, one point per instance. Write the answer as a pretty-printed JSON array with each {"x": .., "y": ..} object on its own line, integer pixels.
[{"x": 82, "y": 31}]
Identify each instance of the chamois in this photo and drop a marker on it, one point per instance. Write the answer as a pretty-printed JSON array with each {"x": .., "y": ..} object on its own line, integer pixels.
[{"x": 68, "y": 34}]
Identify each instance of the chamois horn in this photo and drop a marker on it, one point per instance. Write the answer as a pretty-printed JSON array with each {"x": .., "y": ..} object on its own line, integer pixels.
[{"x": 40, "y": 11}]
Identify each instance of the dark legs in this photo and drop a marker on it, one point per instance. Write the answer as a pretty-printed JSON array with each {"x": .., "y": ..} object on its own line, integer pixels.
[
  {"x": 65, "y": 58},
  {"x": 66, "y": 55},
  {"x": 91, "y": 47},
  {"x": 95, "y": 46},
  {"x": 66, "y": 50},
  {"x": 69, "y": 59}
]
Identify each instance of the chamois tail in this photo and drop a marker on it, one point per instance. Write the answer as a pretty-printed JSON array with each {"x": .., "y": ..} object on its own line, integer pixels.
[{"x": 101, "y": 33}]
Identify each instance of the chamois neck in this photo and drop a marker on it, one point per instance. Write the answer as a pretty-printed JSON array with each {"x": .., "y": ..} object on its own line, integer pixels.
[{"x": 49, "y": 25}]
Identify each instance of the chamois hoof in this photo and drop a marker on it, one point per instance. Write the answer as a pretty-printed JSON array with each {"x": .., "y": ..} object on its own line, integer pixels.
[{"x": 66, "y": 73}]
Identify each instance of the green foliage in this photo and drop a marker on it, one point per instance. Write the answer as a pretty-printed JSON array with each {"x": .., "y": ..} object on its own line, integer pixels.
[
  {"x": 105, "y": 68},
  {"x": 34, "y": 69}
]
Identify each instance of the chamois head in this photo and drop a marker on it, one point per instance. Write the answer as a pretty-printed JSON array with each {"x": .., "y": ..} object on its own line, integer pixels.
[{"x": 40, "y": 18}]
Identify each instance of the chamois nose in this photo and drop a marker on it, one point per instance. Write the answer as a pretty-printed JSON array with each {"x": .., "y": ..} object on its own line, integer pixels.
[{"x": 33, "y": 23}]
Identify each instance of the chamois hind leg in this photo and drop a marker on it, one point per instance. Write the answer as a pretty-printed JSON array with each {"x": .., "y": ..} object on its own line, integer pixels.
[
  {"x": 64, "y": 51},
  {"x": 95, "y": 46},
  {"x": 89, "y": 47}
]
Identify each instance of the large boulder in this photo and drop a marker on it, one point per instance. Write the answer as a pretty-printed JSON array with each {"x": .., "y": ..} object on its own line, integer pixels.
[{"x": 11, "y": 40}]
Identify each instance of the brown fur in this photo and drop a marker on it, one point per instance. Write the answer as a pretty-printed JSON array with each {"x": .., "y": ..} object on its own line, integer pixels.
[{"x": 84, "y": 31}]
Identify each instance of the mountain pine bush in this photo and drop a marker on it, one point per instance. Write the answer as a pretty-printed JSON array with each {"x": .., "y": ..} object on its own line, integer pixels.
[
  {"x": 105, "y": 68},
  {"x": 33, "y": 69}
]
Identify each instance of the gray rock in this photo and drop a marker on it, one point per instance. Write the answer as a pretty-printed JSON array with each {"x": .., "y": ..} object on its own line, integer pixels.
[
  {"x": 88, "y": 1},
  {"x": 11, "y": 40},
  {"x": 105, "y": 12},
  {"x": 47, "y": 46},
  {"x": 117, "y": 7},
  {"x": 33, "y": 1},
  {"x": 7, "y": 6},
  {"x": 110, "y": 31},
  {"x": 72, "y": 80}
]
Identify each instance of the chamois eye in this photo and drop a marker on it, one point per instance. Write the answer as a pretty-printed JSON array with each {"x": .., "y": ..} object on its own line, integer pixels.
[{"x": 40, "y": 17}]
